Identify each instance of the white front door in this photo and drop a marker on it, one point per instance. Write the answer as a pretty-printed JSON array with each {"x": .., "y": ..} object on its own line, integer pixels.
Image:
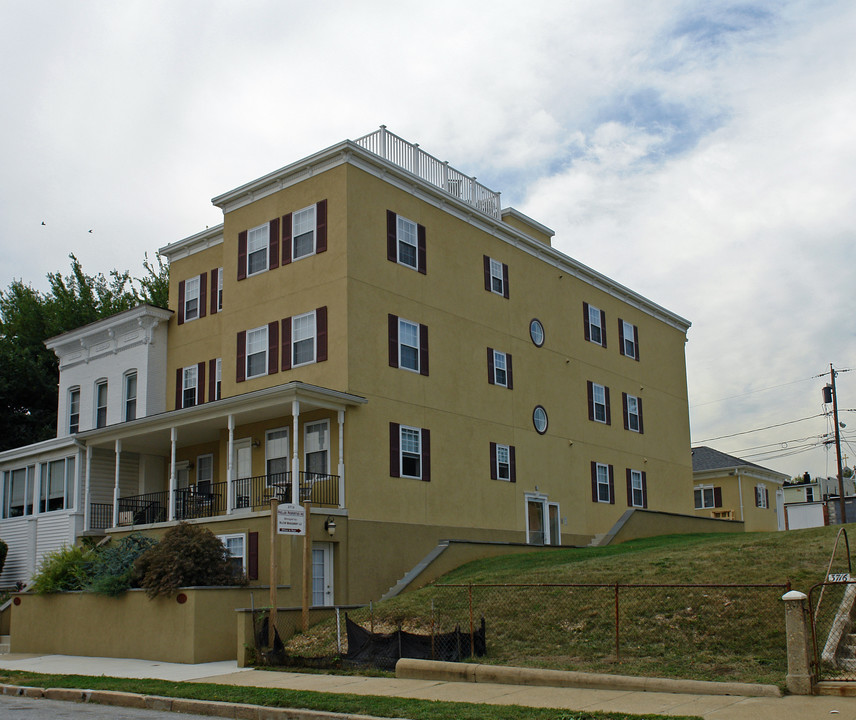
[
  {"x": 243, "y": 472},
  {"x": 322, "y": 574}
]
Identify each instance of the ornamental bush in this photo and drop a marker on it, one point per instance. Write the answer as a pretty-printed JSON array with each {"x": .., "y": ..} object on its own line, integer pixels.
[
  {"x": 4, "y": 548},
  {"x": 67, "y": 568},
  {"x": 113, "y": 571},
  {"x": 186, "y": 556}
]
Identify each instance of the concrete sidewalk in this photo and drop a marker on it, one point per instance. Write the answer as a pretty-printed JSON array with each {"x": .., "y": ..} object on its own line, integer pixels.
[{"x": 715, "y": 707}]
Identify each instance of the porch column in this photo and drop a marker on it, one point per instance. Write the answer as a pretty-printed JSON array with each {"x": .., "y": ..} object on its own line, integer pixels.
[
  {"x": 87, "y": 491},
  {"x": 230, "y": 470},
  {"x": 78, "y": 474},
  {"x": 173, "y": 438},
  {"x": 3, "y": 494},
  {"x": 118, "y": 453},
  {"x": 295, "y": 457},
  {"x": 37, "y": 489},
  {"x": 341, "y": 468}
]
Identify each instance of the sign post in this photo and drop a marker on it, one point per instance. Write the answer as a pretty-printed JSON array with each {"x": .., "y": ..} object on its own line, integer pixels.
[
  {"x": 274, "y": 513},
  {"x": 307, "y": 569}
]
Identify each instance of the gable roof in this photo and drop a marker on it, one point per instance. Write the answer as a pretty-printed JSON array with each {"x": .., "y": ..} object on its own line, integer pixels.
[{"x": 706, "y": 458}]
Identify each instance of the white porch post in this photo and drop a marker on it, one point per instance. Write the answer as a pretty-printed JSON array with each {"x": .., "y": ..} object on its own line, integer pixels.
[
  {"x": 341, "y": 468},
  {"x": 230, "y": 470},
  {"x": 295, "y": 457},
  {"x": 3, "y": 494},
  {"x": 173, "y": 439},
  {"x": 87, "y": 490},
  {"x": 118, "y": 453},
  {"x": 37, "y": 489}
]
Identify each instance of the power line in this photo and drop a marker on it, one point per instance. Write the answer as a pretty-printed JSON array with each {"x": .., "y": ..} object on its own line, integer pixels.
[
  {"x": 768, "y": 427},
  {"x": 752, "y": 392}
]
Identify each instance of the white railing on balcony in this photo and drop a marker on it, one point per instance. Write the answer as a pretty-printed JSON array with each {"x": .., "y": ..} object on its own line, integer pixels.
[{"x": 415, "y": 160}]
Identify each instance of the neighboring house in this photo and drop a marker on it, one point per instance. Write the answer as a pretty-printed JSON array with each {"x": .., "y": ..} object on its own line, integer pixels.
[
  {"x": 816, "y": 503},
  {"x": 730, "y": 488},
  {"x": 803, "y": 492},
  {"x": 370, "y": 332}
]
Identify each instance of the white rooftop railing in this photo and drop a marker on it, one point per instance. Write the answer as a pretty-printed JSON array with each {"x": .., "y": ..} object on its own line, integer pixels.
[{"x": 415, "y": 160}]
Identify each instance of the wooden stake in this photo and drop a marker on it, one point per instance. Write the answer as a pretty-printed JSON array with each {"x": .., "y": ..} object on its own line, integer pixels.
[
  {"x": 274, "y": 576},
  {"x": 307, "y": 568}
]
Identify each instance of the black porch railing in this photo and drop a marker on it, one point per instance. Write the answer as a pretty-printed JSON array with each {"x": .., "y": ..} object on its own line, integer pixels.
[
  {"x": 144, "y": 509},
  {"x": 100, "y": 516},
  {"x": 206, "y": 499},
  {"x": 257, "y": 492}
]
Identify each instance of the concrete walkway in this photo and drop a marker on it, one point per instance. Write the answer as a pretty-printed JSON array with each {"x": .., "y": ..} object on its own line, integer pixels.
[{"x": 715, "y": 707}]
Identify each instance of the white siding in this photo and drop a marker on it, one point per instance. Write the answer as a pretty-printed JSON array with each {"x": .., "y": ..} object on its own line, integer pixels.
[{"x": 15, "y": 532}]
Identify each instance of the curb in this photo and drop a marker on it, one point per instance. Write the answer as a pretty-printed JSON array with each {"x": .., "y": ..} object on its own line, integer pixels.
[
  {"x": 408, "y": 668},
  {"x": 179, "y": 705}
]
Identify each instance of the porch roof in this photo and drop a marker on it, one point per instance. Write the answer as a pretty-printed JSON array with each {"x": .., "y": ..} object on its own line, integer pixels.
[{"x": 202, "y": 422}]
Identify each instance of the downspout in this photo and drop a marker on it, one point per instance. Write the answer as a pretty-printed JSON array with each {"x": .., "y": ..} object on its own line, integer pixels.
[{"x": 740, "y": 494}]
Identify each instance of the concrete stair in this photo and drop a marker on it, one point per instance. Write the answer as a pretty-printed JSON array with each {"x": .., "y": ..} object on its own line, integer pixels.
[{"x": 4, "y": 644}]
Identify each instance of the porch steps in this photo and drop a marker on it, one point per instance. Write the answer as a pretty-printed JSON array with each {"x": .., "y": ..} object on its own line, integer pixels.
[
  {"x": 4, "y": 644},
  {"x": 596, "y": 540},
  {"x": 412, "y": 574},
  {"x": 846, "y": 659}
]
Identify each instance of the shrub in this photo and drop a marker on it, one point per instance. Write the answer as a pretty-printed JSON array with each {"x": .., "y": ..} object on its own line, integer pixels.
[
  {"x": 66, "y": 568},
  {"x": 113, "y": 570},
  {"x": 4, "y": 548},
  {"x": 187, "y": 555}
]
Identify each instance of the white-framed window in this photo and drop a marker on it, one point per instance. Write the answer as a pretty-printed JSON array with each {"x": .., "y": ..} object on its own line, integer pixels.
[
  {"x": 303, "y": 331},
  {"x": 599, "y": 402},
  {"x": 762, "y": 499},
  {"x": 809, "y": 494},
  {"x": 500, "y": 369},
  {"x": 407, "y": 242},
  {"x": 629, "y": 340},
  {"x": 705, "y": 497},
  {"x": 276, "y": 456},
  {"x": 57, "y": 484},
  {"x": 73, "y": 410},
  {"x": 101, "y": 404},
  {"x": 536, "y": 332},
  {"x": 408, "y": 345},
  {"x": 236, "y": 549},
  {"x": 604, "y": 489},
  {"x": 219, "y": 289},
  {"x": 303, "y": 233},
  {"x": 257, "y": 352},
  {"x": 503, "y": 462},
  {"x": 130, "y": 396},
  {"x": 191, "y": 299},
  {"x": 316, "y": 447},
  {"x": 497, "y": 282},
  {"x": 595, "y": 327},
  {"x": 636, "y": 489},
  {"x": 18, "y": 491},
  {"x": 218, "y": 379},
  {"x": 189, "y": 385},
  {"x": 539, "y": 419},
  {"x": 411, "y": 452},
  {"x": 204, "y": 472},
  {"x": 634, "y": 414},
  {"x": 258, "y": 243}
]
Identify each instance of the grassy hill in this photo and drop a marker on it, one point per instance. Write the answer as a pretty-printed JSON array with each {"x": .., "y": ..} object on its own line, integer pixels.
[{"x": 724, "y": 633}]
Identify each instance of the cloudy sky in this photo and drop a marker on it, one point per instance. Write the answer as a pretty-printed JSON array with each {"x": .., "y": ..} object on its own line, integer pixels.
[{"x": 701, "y": 152}]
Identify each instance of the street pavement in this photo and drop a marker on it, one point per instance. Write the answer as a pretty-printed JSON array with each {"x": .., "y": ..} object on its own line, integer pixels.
[{"x": 712, "y": 707}]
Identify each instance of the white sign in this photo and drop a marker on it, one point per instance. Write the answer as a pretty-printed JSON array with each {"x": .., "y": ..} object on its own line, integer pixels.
[
  {"x": 290, "y": 520},
  {"x": 838, "y": 577}
]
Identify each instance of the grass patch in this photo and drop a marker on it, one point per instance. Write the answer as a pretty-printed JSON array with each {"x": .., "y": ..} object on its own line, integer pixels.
[{"x": 330, "y": 702}]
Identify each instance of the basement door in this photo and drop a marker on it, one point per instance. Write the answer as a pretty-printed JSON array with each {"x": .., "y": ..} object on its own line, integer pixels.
[{"x": 322, "y": 574}]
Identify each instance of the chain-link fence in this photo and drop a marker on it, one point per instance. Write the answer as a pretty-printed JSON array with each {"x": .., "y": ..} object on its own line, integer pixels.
[
  {"x": 716, "y": 631},
  {"x": 831, "y": 605}
]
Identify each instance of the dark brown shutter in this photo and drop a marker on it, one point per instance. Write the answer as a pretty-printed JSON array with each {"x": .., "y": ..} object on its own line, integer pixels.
[
  {"x": 241, "y": 366},
  {"x": 512, "y": 461},
  {"x": 391, "y": 236},
  {"x": 644, "y": 489},
  {"x": 203, "y": 294},
  {"x": 242, "y": 255},
  {"x": 273, "y": 244},
  {"x": 636, "y": 340},
  {"x": 421, "y": 250},
  {"x": 393, "y": 340},
  {"x": 394, "y": 450},
  {"x": 629, "y": 488},
  {"x": 586, "y": 330},
  {"x": 487, "y": 273},
  {"x": 491, "y": 375},
  {"x": 426, "y": 455},
  {"x": 504, "y": 280},
  {"x": 594, "y": 481},
  {"x": 590, "y": 390},
  {"x": 639, "y": 408},
  {"x": 766, "y": 498},
  {"x": 215, "y": 283},
  {"x": 608, "y": 413},
  {"x": 321, "y": 334},
  {"x": 179, "y": 383},
  {"x": 321, "y": 226},
  {"x": 286, "y": 239},
  {"x": 212, "y": 380},
  {"x": 509, "y": 374},
  {"x": 603, "y": 328},
  {"x": 252, "y": 556},
  {"x": 611, "y": 486},
  {"x": 286, "y": 344},
  {"x": 423, "y": 349},
  {"x": 493, "y": 473},
  {"x": 200, "y": 383},
  {"x": 624, "y": 406},
  {"x": 621, "y": 336},
  {"x": 717, "y": 497},
  {"x": 273, "y": 347},
  {"x": 181, "y": 302}
]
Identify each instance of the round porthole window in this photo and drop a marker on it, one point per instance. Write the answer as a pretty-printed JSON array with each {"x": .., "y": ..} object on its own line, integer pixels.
[
  {"x": 536, "y": 332},
  {"x": 539, "y": 419}
]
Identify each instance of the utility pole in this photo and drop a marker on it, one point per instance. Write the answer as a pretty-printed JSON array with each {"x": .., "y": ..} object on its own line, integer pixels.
[{"x": 838, "y": 445}]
